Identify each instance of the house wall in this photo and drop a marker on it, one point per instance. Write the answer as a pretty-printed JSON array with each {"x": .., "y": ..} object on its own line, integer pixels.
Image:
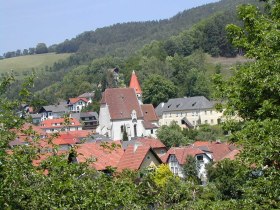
[
  {"x": 58, "y": 129},
  {"x": 78, "y": 106},
  {"x": 116, "y": 133},
  {"x": 175, "y": 167},
  {"x": 149, "y": 133},
  {"x": 207, "y": 116},
  {"x": 149, "y": 160},
  {"x": 160, "y": 151},
  {"x": 173, "y": 164},
  {"x": 105, "y": 124},
  {"x": 51, "y": 115}
]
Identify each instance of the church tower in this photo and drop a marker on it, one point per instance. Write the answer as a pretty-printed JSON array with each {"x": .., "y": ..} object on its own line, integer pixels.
[{"x": 135, "y": 84}]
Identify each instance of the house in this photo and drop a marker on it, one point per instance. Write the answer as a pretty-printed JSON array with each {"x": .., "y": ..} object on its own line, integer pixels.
[
  {"x": 217, "y": 150},
  {"x": 101, "y": 157},
  {"x": 122, "y": 112},
  {"x": 150, "y": 122},
  {"x": 189, "y": 112},
  {"x": 138, "y": 157},
  {"x": 60, "y": 124},
  {"x": 176, "y": 159},
  {"x": 203, "y": 151},
  {"x": 88, "y": 119},
  {"x": 36, "y": 118},
  {"x": 157, "y": 146},
  {"x": 52, "y": 112},
  {"x": 27, "y": 134},
  {"x": 77, "y": 104},
  {"x": 88, "y": 95}
]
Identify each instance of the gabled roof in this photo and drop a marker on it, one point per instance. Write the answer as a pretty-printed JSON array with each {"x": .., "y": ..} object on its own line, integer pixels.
[
  {"x": 84, "y": 114},
  {"x": 121, "y": 102},
  {"x": 149, "y": 125},
  {"x": 218, "y": 149},
  {"x": 103, "y": 157},
  {"x": 23, "y": 138},
  {"x": 134, "y": 83},
  {"x": 75, "y": 100},
  {"x": 53, "y": 108},
  {"x": 60, "y": 123},
  {"x": 181, "y": 153},
  {"x": 134, "y": 156},
  {"x": 65, "y": 138},
  {"x": 87, "y": 95},
  {"x": 232, "y": 154},
  {"x": 181, "y": 104},
  {"x": 149, "y": 112}
]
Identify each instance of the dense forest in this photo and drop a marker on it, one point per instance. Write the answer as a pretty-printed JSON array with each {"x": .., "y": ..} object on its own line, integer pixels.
[{"x": 173, "y": 48}]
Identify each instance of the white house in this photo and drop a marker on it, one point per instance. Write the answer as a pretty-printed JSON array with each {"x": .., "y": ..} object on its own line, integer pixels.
[
  {"x": 176, "y": 158},
  {"x": 77, "y": 104},
  {"x": 88, "y": 95},
  {"x": 189, "y": 112},
  {"x": 57, "y": 125}
]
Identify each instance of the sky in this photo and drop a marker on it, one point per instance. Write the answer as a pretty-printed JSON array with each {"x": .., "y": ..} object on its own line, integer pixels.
[{"x": 24, "y": 23}]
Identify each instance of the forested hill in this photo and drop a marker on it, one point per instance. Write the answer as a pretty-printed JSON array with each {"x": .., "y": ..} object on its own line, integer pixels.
[
  {"x": 125, "y": 38},
  {"x": 172, "y": 48}
]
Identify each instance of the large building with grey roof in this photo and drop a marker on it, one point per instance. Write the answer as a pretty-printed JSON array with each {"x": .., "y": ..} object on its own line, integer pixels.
[{"x": 188, "y": 112}]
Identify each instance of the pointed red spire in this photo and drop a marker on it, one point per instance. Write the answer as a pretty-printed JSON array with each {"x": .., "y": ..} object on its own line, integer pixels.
[{"x": 134, "y": 83}]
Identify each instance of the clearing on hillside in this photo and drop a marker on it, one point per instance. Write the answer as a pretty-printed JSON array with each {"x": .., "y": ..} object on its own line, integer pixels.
[{"x": 23, "y": 65}]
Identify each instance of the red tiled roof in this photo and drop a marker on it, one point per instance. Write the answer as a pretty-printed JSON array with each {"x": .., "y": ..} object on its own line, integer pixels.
[
  {"x": 80, "y": 133},
  {"x": 181, "y": 153},
  {"x": 133, "y": 157},
  {"x": 42, "y": 157},
  {"x": 232, "y": 154},
  {"x": 149, "y": 112},
  {"x": 135, "y": 84},
  {"x": 27, "y": 126},
  {"x": 153, "y": 143},
  {"x": 65, "y": 138},
  {"x": 218, "y": 149},
  {"x": 60, "y": 123},
  {"x": 104, "y": 157},
  {"x": 75, "y": 100},
  {"x": 121, "y": 102}
]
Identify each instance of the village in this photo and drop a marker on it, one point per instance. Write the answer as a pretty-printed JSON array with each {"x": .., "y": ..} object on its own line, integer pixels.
[{"x": 124, "y": 133}]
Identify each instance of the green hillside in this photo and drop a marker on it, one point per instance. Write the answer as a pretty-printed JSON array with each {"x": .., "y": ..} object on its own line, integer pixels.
[{"x": 22, "y": 65}]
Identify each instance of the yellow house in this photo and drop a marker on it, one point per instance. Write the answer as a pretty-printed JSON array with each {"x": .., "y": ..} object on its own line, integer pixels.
[{"x": 189, "y": 112}]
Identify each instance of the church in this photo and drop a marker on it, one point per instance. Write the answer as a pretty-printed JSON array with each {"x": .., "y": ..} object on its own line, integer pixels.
[{"x": 123, "y": 115}]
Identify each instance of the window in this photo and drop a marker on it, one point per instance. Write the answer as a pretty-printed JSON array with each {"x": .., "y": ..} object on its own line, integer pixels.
[
  {"x": 122, "y": 129},
  {"x": 148, "y": 157},
  {"x": 152, "y": 131},
  {"x": 176, "y": 171},
  {"x": 211, "y": 112},
  {"x": 199, "y": 157},
  {"x": 135, "y": 130},
  {"x": 205, "y": 112},
  {"x": 206, "y": 121},
  {"x": 212, "y": 121}
]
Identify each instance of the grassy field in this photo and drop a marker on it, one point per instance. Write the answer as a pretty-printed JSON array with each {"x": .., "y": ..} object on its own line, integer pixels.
[
  {"x": 23, "y": 65},
  {"x": 226, "y": 64}
]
